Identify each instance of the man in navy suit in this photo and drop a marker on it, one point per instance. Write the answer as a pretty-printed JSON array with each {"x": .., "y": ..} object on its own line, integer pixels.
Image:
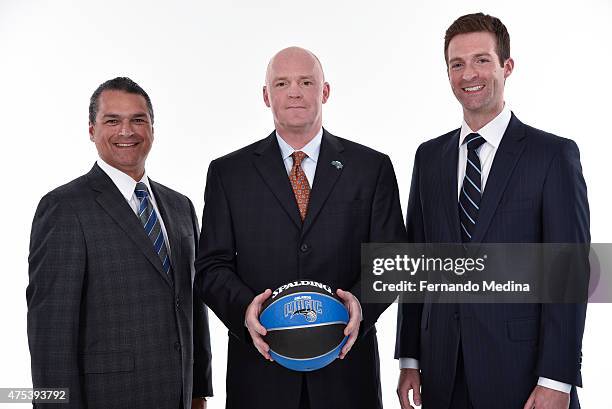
[{"x": 494, "y": 180}]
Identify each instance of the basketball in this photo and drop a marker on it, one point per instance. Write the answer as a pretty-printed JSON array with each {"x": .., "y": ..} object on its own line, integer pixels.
[{"x": 305, "y": 321}]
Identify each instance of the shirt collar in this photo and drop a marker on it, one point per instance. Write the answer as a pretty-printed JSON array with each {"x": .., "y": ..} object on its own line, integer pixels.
[
  {"x": 124, "y": 182},
  {"x": 491, "y": 132},
  {"x": 311, "y": 149}
]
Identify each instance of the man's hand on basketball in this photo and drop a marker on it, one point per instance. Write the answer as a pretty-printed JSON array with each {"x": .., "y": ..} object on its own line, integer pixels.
[
  {"x": 352, "y": 329},
  {"x": 251, "y": 321}
]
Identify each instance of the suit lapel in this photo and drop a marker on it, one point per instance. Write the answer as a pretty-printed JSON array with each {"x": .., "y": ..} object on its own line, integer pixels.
[
  {"x": 326, "y": 176},
  {"x": 168, "y": 214},
  {"x": 269, "y": 163},
  {"x": 448, "y": 179},
  {"x": 111, "y": 200},
  {"x": 508, "y": 154}
]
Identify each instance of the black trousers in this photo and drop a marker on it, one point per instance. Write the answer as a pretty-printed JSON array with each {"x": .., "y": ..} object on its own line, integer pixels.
[
  {"x": 304, "y": 401},
  {"x": 461, "y": 397}
]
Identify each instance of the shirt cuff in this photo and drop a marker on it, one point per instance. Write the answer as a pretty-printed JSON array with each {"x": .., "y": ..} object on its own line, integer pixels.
[
  {"x": 556, "y": 385},
  {"x": 409, "y": 363}
]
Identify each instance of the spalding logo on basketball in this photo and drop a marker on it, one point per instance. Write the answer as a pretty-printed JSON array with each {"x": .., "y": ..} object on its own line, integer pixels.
[{"x": 305, "y": 322}]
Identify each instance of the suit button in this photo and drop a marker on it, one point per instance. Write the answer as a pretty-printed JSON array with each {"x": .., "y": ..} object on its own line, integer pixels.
[
  {"x": 456, "y": 316},
  {"x": 177, "y": 346},
  {"x": 304, "y": 247},
  {"x": 178, "y": 302}
]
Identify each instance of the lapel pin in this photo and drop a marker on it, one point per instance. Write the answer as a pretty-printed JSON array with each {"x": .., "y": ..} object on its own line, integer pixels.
[{"x": 337, "y": 164}]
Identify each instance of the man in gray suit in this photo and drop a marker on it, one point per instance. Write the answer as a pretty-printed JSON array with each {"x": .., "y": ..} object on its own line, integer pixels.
[{"x": 111, "y": 314}]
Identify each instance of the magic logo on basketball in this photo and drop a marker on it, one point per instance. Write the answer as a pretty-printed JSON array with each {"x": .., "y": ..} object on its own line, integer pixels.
[{"x": 304, "y": 306}]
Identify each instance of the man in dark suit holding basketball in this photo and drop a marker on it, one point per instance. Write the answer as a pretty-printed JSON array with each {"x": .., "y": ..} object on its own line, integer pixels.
[
  {"x": 494, "y": 180},
  {"x": 296, "y": 205},
  {"x": 111, "y": 315}
]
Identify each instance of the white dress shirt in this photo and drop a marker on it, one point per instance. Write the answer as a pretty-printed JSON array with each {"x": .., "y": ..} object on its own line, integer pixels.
[
  {"x": 126, "y": 186},
  {"x": 311, "y": 149},
  {"x": 492, "y": 133}
]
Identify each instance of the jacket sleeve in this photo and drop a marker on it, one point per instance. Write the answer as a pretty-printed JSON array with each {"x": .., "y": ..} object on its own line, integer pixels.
[
  {"x": 565, "y": 215},
  {"x": 216, "y": 281},
  {"x": 202, "y": 355},
  {"x": 386, "y": 226},
  {"x": 57, "y": 267},
  {"x": 407, "y": 342}
]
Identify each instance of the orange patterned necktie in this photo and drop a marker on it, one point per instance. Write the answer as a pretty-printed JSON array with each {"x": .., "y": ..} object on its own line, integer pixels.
[{"x": 299, "y": 183}]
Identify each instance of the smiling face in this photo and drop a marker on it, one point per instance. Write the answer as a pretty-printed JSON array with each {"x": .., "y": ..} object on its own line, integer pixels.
[
  {"x": 123, "y": 131},
  {"x": 476, "y": 76},
  {"x": 295, "y": 91}
]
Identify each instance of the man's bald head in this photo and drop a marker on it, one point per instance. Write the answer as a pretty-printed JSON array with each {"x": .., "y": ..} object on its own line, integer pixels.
[{"x": 293, "y": 53}]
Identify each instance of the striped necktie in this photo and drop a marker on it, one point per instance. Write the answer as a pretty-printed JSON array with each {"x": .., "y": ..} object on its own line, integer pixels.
[
  {"x": 471, "y": 190},
  {"x": 150, "y": 221}
]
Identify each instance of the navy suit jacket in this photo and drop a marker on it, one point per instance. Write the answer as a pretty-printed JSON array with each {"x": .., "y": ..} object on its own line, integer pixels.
[
  {"x": 104, "y": 320},
  {"x": 535, "y": 193},
  {"x": 253, "y": 239}
]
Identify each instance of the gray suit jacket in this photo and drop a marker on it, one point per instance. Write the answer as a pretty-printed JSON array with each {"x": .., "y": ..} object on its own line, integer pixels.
[{"x": 103, "y": 318}]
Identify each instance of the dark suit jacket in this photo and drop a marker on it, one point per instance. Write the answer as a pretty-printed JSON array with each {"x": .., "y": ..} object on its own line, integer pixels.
[
  {"x": 535, "y": 193},
  {"x": 253, "y": 239},
  {"x": 103, "y": 318}
]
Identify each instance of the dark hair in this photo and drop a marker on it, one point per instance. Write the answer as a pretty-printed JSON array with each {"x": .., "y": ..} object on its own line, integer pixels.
[
  {"x": 472, "y": 23},
  {"x": 117, "y": 84}
]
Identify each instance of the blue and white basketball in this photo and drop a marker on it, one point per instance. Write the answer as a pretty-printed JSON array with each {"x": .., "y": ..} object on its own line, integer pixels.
[{"x": 305, "y": 321}]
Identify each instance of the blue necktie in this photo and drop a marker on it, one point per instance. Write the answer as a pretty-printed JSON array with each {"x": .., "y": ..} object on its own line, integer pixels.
[
  {"x": 471, "y": 190},
  {"x": 150, "y": 221}
]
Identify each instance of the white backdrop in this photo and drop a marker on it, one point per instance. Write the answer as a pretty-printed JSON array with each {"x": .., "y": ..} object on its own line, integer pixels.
[{"x": 203, "y": 64}]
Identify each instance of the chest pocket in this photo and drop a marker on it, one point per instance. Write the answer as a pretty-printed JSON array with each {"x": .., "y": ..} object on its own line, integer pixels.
[
  {"x": 516, "y": 205},
  {"x": 353, "y": 206}
]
